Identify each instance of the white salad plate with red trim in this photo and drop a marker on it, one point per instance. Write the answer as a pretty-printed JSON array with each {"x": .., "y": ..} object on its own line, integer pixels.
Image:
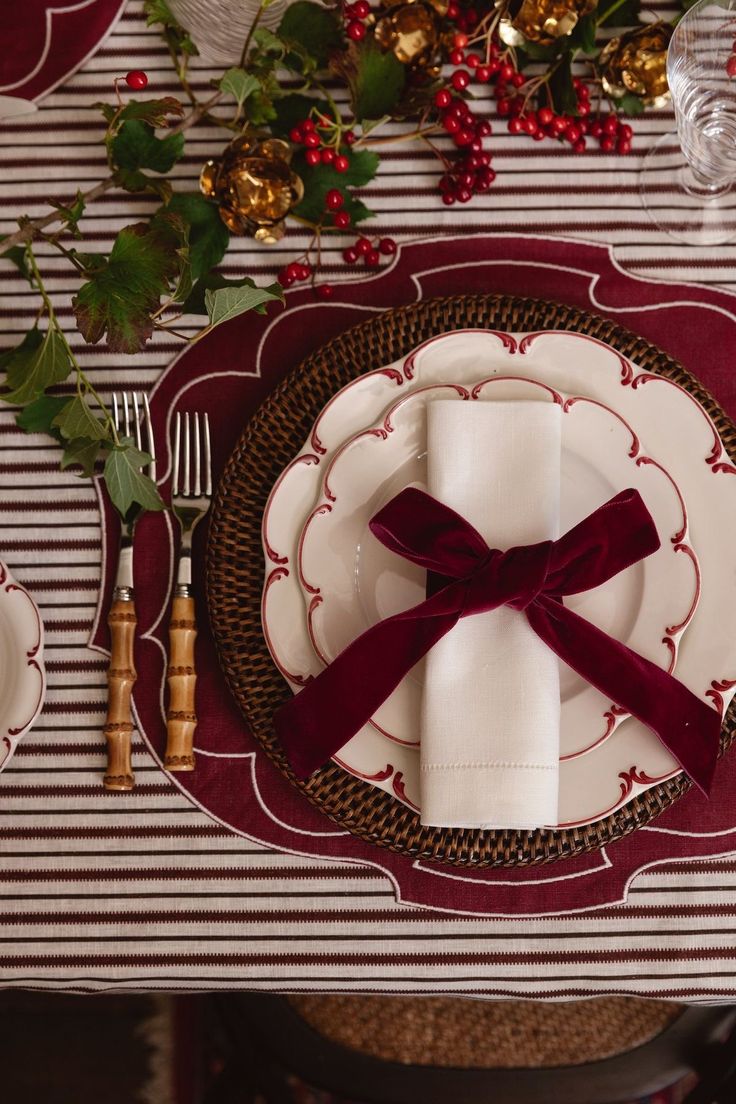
[
  {"x": 22, "y": 675},
  {"x": 349, "y": 580},
  {"x": 678, "y": 434}
]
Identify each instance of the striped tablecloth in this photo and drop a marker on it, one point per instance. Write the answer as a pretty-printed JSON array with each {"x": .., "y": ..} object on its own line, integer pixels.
[{"x": 147, "y": 892}]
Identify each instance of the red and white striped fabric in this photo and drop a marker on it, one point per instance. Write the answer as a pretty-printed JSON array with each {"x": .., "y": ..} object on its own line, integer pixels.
[{"x": 144, "y": 891}]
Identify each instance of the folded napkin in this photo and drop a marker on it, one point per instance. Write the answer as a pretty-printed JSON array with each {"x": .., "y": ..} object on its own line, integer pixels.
[{"x": 491, "y": 707}]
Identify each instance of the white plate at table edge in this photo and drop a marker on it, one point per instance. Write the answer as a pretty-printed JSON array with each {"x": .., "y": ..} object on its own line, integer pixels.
[
  {"x": 587, "y": 366},
  {"x": 22, "y": 698},
  {"x": 672, "y": 574}
]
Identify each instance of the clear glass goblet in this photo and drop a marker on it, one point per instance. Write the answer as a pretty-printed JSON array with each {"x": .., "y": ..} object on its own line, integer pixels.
[{"x": 687, "y": 179}]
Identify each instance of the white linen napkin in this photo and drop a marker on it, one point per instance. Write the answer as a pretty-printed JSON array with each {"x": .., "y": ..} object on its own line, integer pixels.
[{"x": 490, "y": 730}]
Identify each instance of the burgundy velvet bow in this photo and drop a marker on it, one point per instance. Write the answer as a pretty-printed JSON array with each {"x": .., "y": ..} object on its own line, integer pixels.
[{"x": 333, "y": 706}]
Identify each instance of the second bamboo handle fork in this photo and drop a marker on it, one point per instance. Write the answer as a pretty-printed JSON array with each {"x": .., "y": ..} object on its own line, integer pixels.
[{"x": 181, "y": 716}]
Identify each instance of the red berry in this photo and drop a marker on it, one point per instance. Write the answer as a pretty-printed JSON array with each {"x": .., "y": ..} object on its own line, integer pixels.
[
  {"x": 361, "y": 9},
  {"x": 387, "y": 246},
  {"x": 625, "y": 131},
  {"x": 372, "y": 258},
  {"x": 327, "y": 156},
  {"x": 573, "y": 134},
  {"x": 296, "y": 134},
  {"x": 579, "y": 145},
  {"x": 483, "y": 74},
  {"x": 293, "y": 270},
  {"x": 463, "y": 195},
  {"x": 324, "y": 291},
  {"x": 451, "y": 124},
  {"x": 460, "y": 40},
  {"x": 518, "y": 79},
  {"x": 460, "y": 80},
  {"x": 464, "y": 138},
  {"x": 545, "y": 116},
  {"x": 350, "y": 255},
  {"x": 472, "y": 61},
  {"x": 515, "y": 126},
  {"x": 457, "y": 57},
  {"x": 453, "y": 10},
  {"x": 610, "y": 126},
  {"x": 506, "y": 72},
  {"x": 607, "y": 143},
  {"x": 623, "y": 145},
  {"x": 137, "y": 80},
  {"x": 443, "y": 98},
  {"x": 356, "y": 31},
  {"x": 313, "y": 157},
  {"x": 483, "y": 129},
  {"x": 349, "y": 138},
  {"x": 305, "y": 271},
  {"x": 596, "y": 128},
  {"x": 312, "y": 140},
  {"x": 334, "y": 199},
  {"x": 448, "y": 199},
  {"x": 362, "y": 246},
  {"x": 341, "y": 164},
  {"x": 284, "y": 280},
  {"x": 307, "y": 125},
  {"x": 504, "y": 106},
  {"x": 342, "y": 220}
]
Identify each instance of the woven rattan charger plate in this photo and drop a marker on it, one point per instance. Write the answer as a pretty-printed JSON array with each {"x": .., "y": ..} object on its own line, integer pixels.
[{"x": 270, "y": 440}]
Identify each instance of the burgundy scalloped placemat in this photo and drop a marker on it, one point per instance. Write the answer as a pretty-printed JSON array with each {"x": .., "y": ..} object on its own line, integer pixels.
[{"x": 230, "y": 374}]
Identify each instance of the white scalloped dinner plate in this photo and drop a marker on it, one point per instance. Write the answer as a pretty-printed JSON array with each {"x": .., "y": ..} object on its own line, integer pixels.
[
  {"x": 22, "y": 676},
  {"x": 678, "y": 433},
  {"x": 349, "y": 580}
]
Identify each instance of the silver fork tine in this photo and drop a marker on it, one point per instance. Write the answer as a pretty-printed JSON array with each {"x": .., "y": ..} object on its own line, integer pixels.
[
  {"x": 207, "y": 457},
  {"x": 197, "y": 480},
  {"x": 136, "y": 422},
  {"x": 126, "y": 414},
  {"x": 116, "y": 410},
  {"x": 186, "y": 454},
  {"x": 175, "y": 459},
  {"x": 150, "y": 440}
]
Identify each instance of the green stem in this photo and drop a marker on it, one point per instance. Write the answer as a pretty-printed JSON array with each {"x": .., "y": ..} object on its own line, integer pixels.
[
  {"x": 83, "y": 384},
  {"x": 68, "y": 253},
  {"x": 609, "y": 11},
  {"x": 249, "y": 36}
]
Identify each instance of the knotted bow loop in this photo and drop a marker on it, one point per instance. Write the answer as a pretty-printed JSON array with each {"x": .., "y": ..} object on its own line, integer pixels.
[
  {"x": 334, "y": 706},
  {"x": 513, "y": 578}
]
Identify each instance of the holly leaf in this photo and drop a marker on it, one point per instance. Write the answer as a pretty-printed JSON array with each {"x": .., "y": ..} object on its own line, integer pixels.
[
  {"x": 135, "y": 146},
  {"x": 155, "y": 112},
  {"x": 222, "y": 304},
  {"x": 83, "y": 451},
  {"x": 561, "y": 88},
  {"x": 312, "y": 27},
  {"x": 319, "y": 179},
  {"x": 628, "y": 104},
  {"x": 38, "y": 416},
  {"x": 377, "y": 83},
  {"x": 120, "y": 295},
  {"x": 126, "y": 484},
  {"x": 211, "y": 281},
  {"x": 76, "y": 419},
  {"x": 208, "y": 235},
  {"x": 239, "y": 84},
  {"x": 70, "y": 215},
  {"x": 37, "y": 363}
]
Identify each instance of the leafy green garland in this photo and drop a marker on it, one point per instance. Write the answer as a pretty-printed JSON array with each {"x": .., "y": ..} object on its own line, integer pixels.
[{"x": 165, "y": 267}]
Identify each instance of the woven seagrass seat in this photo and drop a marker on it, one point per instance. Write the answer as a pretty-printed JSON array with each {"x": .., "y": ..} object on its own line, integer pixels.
[{"x": 444, "y": 1050}]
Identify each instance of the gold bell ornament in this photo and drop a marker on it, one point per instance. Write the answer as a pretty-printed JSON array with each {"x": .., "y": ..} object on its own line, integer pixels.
[
  {"x": 636, "y": 63},
  {"x": 254, "y": 186},
  {"x": 542, "y": 21},
  {"x": 412, "y": 31}
]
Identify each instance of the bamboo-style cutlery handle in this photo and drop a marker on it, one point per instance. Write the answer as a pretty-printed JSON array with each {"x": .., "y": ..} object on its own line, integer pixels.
[
  {"x": 181, "y": 718},
  {"x": 121, "y": 676}
]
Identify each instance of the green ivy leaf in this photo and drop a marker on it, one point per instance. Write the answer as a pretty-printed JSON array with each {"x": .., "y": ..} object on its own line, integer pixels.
[
  {"x": 120, "y": 295},
  {"x": 132, "y": 180},
  {"x": 583, "y": 35},
  {"x": 378, "y": 83},
  {"x": 625, "y": 16},
  {"x": 259, "y": 108},
  {"x": 158, "y": 11},
  {"x": 155, "y": 112},
  {"x": 312, "y": 27},
  {"x": 135, "y": 146},
  {"x": 38, "y": 416},
  {"x": 17, "y": 256},
  {"x": 222, "y": 304},
  {"x": 319, "y": 179},
  {"x": 76, "y": 419},
  {"x": 83, "y": 451},
  {"x": 239, "y": 84},
  {"x": 211, "y": 281},
  {"x": 267, "y": 42},
  {"x": 71, "y": 215},
  {"x": 628, "y": 104},
  {"x": 208, "y": 235},
  {"x": 37, "y": 363},
  {"x": 126, "y": 484}
]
